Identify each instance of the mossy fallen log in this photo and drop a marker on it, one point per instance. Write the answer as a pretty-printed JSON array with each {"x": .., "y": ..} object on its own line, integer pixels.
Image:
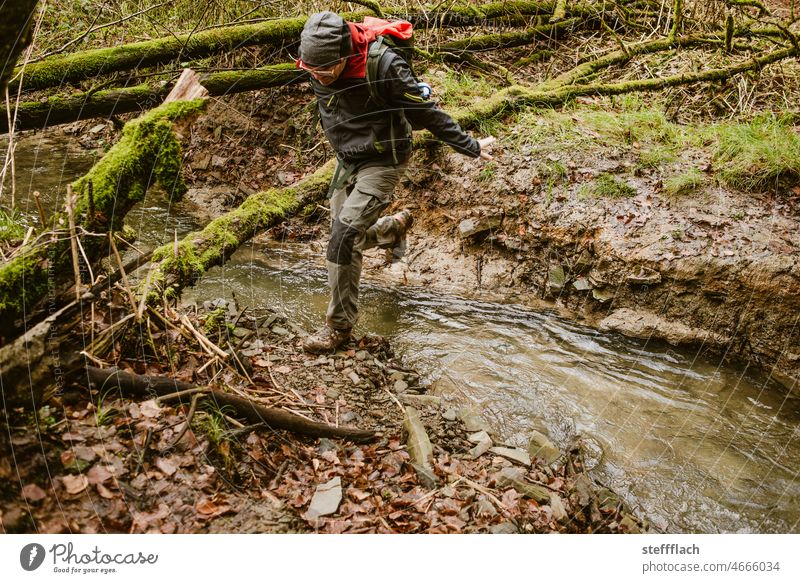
[
  {"x": 148, "y": 152},
  {"x": 67, "y": 109},
  {"x": 517, "y": 97},
  {"x": 181, "y": 265},
  {"x": 83, "y": 65}
]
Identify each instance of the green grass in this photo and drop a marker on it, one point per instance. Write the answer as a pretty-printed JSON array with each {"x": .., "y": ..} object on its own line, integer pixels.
[
  {"x": 12, "y": 226},
  {"x": 454, "y": 89},
  {"x": 684, "y": 183},
  {"x": 753, "y": 155},
  {"x": 758, "y": 155},
  {"x": 488, "y": 172},
  {"x": 104, "y": 413},
  {"x": 657, "y": 156},
  {"x": 607, "y": 186}
]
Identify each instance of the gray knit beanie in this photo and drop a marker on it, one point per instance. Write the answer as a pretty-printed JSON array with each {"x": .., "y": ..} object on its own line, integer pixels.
[{"x": 325, "y": 39}]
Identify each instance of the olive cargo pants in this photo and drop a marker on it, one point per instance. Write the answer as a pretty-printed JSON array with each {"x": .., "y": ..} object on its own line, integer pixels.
[{"x": 357, "y": 225}]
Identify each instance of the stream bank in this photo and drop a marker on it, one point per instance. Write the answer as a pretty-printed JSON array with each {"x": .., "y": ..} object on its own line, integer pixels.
[{"x": 110, "y": 464}]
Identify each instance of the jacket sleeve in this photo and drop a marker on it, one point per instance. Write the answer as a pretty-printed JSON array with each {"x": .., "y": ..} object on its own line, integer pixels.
[{"x": 404, "y": 93}]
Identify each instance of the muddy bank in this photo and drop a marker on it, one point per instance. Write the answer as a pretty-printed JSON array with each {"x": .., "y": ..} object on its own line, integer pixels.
[{"x": 715, "y": 269}]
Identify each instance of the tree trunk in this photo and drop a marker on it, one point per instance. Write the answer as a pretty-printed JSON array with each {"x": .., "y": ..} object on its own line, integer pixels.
[{"x": 15, "y": 35}]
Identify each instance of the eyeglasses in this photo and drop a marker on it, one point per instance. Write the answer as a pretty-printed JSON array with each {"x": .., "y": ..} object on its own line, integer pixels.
[{"x": 320, "y": 71}]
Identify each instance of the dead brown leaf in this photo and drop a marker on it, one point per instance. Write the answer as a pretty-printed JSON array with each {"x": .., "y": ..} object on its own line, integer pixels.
[
  {"x": 33, "y": 493},
  {"x": 150, "y": 409},
  {"x": 98, "y": 474},
  {"x": 167, "y": 466},
  {"x": 75, "y": 484},
  {"x": 105, "y": 492}
]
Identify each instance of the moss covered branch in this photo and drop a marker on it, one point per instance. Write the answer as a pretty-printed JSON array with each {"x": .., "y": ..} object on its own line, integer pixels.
[
  {"x": 503, "y": 40},
  {"x": 148, "y": 152},
  {"x": 66, "y": 109},
  {"x": 177, "y": 267}
]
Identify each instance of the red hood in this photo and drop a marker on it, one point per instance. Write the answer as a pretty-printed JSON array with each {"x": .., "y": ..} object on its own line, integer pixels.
[{"x": 356, "y": 67}]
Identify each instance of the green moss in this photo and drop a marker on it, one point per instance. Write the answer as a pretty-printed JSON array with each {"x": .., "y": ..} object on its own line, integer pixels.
[
  {"x": 147, "y": 152},
  {"x": 214, "y": 320},
  {"x": 23, "y": 281}
]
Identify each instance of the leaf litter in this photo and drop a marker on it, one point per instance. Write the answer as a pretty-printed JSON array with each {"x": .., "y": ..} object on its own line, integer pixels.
[{"x": 129, "y": 475}]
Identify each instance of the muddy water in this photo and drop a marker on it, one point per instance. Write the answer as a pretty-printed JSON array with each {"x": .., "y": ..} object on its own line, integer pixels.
[{"x": 694, "y": 445}]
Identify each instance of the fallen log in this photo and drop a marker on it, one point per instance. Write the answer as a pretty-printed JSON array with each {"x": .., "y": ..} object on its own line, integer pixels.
[
  {"x": 105, "y": 103},
  {"x": 144, "y": 386},
  {"x": 148, "y": 151},
  {"x": 83, "y": 65},
  {"x": 177, "y": 266}
]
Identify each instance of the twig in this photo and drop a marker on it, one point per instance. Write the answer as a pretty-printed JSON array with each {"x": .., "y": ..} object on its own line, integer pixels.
[
  {"x": 206, "y": 365},
  {"x": 131, "y": 297},
  {"x": 181, "y": 394},
  {"x": 42, "y": 216},
  {"x": 94, "y": 359},
  {"x": 73, "y": 238},
  {"x": 189, "y": 416},
  {"x": 86, "y": 259},
  {"x": 394, "y": 398},
  {"x": 209, "y": 346}
]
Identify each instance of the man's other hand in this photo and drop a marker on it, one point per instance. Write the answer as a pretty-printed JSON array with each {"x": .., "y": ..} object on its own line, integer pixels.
[{"x": 485, "y": 143}]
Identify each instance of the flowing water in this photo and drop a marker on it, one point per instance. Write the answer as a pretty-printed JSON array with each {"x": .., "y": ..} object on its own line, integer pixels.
[{"x": 694, "y": 445}]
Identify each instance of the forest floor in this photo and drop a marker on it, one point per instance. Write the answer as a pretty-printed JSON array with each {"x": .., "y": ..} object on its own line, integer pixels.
[
  {"x": 656, "y": 218},
  {"x": 103, "y": 463}
]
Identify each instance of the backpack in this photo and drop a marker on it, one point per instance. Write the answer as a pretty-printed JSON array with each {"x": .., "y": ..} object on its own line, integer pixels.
[{"x": 390, "y": 34}]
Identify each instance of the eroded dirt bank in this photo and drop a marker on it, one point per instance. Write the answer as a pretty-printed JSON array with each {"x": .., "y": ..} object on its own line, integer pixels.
[{"x": 711, "y": 268}]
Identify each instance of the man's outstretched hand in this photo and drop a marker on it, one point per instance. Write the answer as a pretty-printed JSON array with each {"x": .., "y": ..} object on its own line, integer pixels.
[{"x": 485, "y": 143}]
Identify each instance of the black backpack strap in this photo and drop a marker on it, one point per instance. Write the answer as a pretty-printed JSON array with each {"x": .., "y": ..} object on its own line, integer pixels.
[
  {"x": 374, "y": 55},
  {"x": 376, "y": 51}
]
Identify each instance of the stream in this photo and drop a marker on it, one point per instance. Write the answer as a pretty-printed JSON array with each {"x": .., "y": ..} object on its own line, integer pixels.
[{"x": 691, "y": 444}]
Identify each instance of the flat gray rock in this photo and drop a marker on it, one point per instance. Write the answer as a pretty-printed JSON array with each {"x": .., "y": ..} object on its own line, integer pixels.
[
  {"x": 511, "y": 453},
  {"x": 326, "y": 499}
]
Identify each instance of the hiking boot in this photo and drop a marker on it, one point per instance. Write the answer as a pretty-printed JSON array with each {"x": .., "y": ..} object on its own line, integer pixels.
[
  {"x": 403, "y": 221},
  {"x": 326, "y": 340}
]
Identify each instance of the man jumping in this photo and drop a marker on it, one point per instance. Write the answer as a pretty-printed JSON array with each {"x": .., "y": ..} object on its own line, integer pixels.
[{"x": 369, "y": 128}]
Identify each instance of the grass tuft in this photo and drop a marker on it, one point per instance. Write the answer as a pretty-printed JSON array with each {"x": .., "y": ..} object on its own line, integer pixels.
[
  {"x": 758, "y": 155},
  {"x": 607, "y": 186},
  {"x": 684, "y": 183}
]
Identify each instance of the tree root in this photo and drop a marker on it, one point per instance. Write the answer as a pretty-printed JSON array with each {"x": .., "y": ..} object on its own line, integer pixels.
[{"x": 133, "y": 385}]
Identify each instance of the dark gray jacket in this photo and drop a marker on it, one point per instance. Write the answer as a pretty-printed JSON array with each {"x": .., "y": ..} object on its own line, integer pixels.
[{"x": 360, "y": 130}]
